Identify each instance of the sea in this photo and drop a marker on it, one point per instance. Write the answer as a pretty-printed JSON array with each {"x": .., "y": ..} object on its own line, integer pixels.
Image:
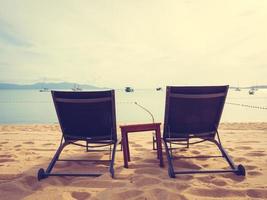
[{"x": 35, "y": 107}]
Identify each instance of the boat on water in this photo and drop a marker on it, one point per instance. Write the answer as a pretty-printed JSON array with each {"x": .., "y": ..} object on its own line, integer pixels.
[
  {"x": 129, "y": 89},
  {"x": 44, "y": 90},
  {"x": 251, "y": 91},
  {"x": 76, "y": 88},
  {"x": 238, "y": 89}
]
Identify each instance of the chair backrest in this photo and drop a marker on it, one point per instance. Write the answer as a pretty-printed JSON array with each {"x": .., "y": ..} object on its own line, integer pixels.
[
  {"x": 86, "y": 114},
  {"x": 193, "y": 110}
]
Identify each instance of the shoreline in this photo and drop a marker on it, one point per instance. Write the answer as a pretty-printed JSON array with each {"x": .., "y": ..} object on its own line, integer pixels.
[{"x": 223, "y": 125}]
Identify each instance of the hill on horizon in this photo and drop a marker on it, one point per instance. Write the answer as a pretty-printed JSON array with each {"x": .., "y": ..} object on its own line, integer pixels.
[{"x": 39, "y": 85}]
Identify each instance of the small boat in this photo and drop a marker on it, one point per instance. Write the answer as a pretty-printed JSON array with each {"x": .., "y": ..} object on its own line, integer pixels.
[
  {"x": 76, "y": 88},
  {"x": 251, "y": 91},
  {"x": 44, "y": 90},
  {"x": 129, "y": 89},
  {"x": 237, "y": 89},
  {"x": 159, "y": 89}
]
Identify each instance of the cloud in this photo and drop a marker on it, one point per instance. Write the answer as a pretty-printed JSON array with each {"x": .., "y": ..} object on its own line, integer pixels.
[
  {"x": 144, "y": 43},
  {"x": 10, "y": 36}
]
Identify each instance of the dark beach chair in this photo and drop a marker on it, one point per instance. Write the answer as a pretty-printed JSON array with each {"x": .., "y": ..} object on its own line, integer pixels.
[
  {"x": 88, "y": 117},
  {"x": 194, "y": 113}
]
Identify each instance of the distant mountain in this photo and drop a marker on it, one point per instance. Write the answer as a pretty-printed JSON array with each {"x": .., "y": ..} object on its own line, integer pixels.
[
  {"x": 38, "y": 86},
  {"x": 249, "y": 87},
  {"x": 259, "y": 86}
]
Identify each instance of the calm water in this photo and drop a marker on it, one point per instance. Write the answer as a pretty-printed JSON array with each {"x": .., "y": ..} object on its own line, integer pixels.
[{"x": 32, "y": 106}]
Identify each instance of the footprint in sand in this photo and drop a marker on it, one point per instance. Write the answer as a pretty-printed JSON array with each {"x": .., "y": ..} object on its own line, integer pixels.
[
  {"x": 256, "y": 154},
  {"x": 132, "y": 142},
  {"x": 37, "y": 149},
  {"x": 137, "y": 145},
  {"x": 250, "y": 167},
  {"x": 196, "y": 152},
  {"x": 147, "y": 170},
  {"x": 9, "y": 176},
  {"x": 205, "y": 165},
  {"x": 6, "y": 160},
  {"x": 5, "y": 156},
  {"x": 212, "y": 180},
  {"x": 247, "y": 142},
  {"x": 180, "y": 186},
  {"x": 3, "y": 143},
  {"x": 31, "y": 182},
  {"x": 203, "y": 159},
  {"x": 257, "y": 193},
  {"x": 241, "y": 159},
  {"x": 61, "y": 165},
  {"x": 93, "y": 182},
  {"x": 119, "y": 194},
  {"x": 217, "y": 192},
  {"x": 135, "y": 158},
  {"x": 141, "y": 149},
  {"x": 230, "y": 149},
  {"x": 150, "y": 161},
  {"x": 128, "y": 194},
  {"x": 159, "y": 193},
  {"x": 28, "y": 142},
  {"x": 80, "y": 195},
  {"x": 146, "y": 181},
  {"x": 47, "y": 144},
  {"x": 255, "y": 173},
  {"x": 186, "y": 164},
  {"x": 244, "y": 147},
  {"x": 234, "y": 177},
  {"x": 184, "y": 177},
  {"x": 181, "y": 149}
]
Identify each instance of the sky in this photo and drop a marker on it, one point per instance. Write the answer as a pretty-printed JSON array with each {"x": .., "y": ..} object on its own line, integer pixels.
[{"x": 143, "y": 44}]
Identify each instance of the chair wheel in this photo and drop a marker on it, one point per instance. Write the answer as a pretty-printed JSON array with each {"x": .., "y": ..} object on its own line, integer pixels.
[
  {"x": 241, "y": 170},
  {"x": 171, "y": 173},
  {"x": 41, "y": 174}
]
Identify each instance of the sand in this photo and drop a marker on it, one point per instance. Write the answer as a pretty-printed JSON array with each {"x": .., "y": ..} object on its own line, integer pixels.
[{"x": 26, "y": 148}]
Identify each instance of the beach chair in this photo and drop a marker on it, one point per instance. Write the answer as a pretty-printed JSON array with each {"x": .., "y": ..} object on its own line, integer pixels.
[
  {"x": 192, "y": 115},
  {"x": 88, "y": 118}
]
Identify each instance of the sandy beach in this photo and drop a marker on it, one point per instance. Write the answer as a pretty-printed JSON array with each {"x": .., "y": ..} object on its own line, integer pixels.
[{"x": 26, "y": 148}]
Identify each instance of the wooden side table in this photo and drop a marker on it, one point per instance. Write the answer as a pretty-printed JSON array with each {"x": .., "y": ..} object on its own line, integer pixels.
[{"x": 125, "y": 129}]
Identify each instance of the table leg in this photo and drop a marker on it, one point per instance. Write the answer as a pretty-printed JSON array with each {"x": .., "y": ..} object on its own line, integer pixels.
[
  {"x": 128, "y": 149},
  {"x": 159, "y": 145},
  {"x": 124, "y": 149}
]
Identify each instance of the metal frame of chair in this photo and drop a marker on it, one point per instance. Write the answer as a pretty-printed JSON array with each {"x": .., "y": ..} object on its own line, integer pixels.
[
  {"x": 91, "y": 141},
  {"x": 183, "y": 138}
]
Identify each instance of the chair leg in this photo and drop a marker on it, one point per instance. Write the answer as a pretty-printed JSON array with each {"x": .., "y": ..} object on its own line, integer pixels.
[
  {"x": 238, "y": 170},
  {"x": 42, "y": 174},
  {"x": 169, "y": 158},
  {"x": 111, "y": 167},
  {"x": 45, "y": 173}
]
